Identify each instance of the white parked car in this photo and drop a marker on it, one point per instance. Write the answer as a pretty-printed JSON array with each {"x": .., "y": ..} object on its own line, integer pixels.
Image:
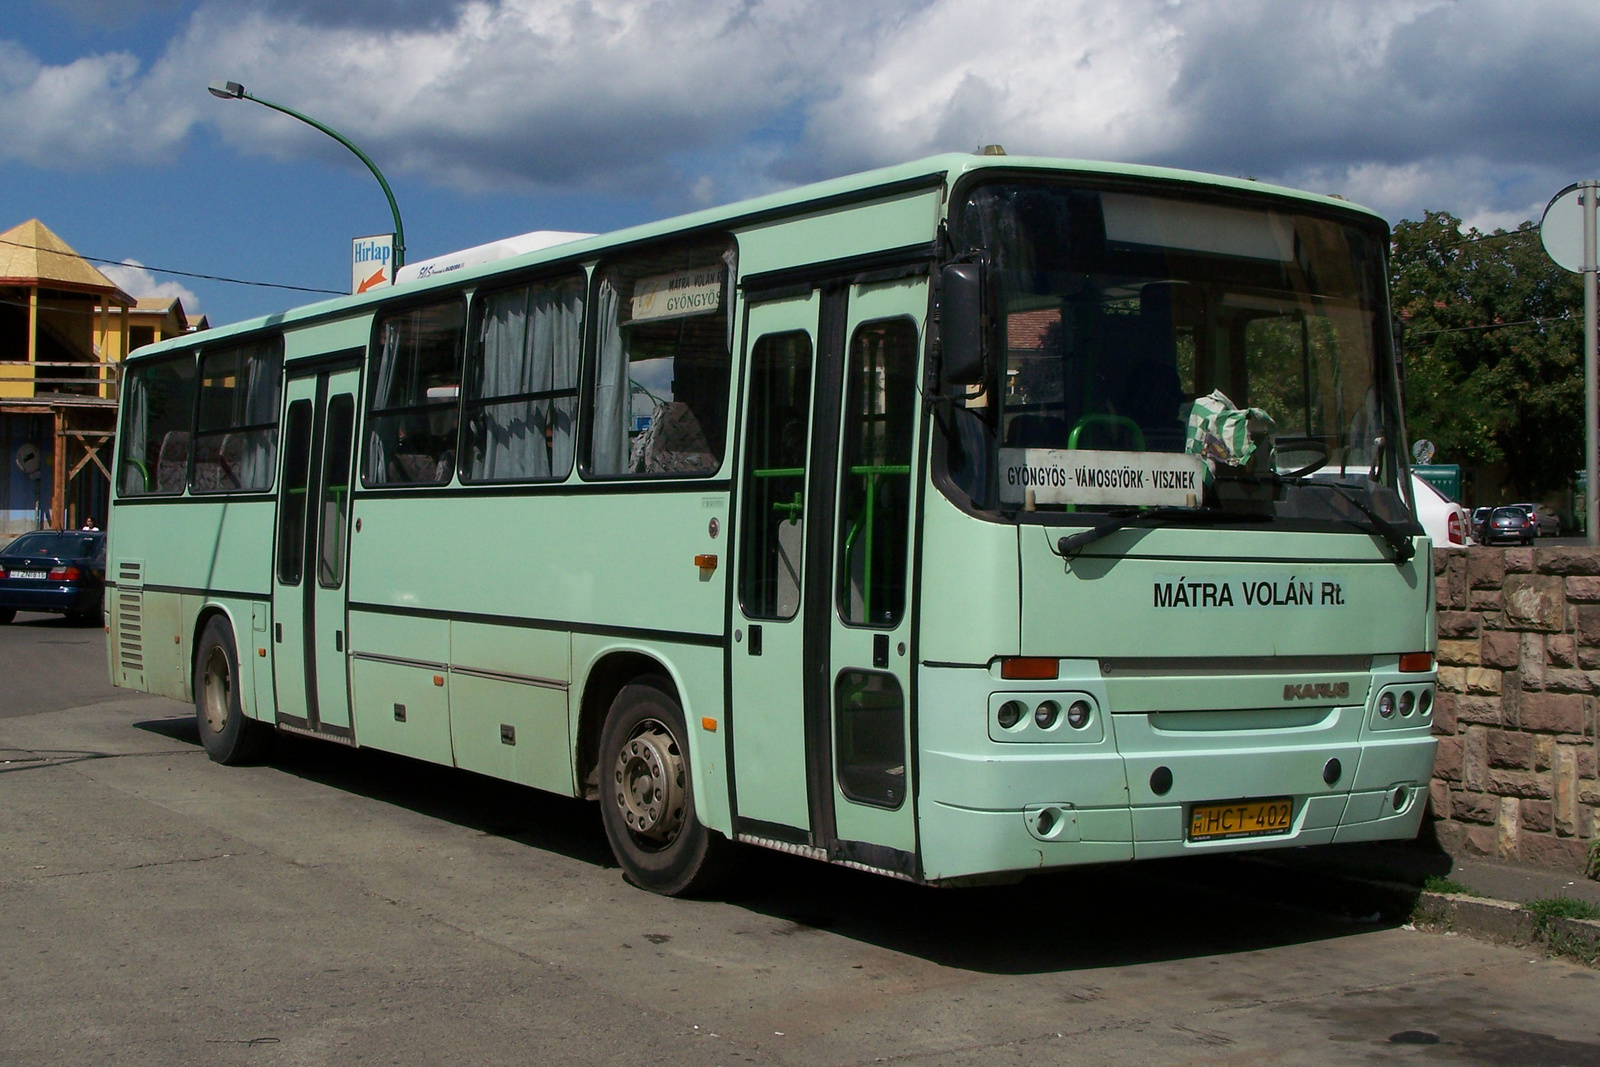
[{"x": 1447, "y": 522}]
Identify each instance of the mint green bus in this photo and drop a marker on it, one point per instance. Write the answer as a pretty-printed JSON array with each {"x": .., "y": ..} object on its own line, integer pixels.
[{"x": 951, "y": 521}]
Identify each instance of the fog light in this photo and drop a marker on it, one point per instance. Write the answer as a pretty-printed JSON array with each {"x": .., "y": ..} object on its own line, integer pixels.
[
  {"x": 1386, "y": 705},
  {"x": 1399, "y": 797},
  {"x": 1408, "y": 700},
  {"x": 1078, "y": 714},
  {"x": 1425, "y": 702},
  {"x": 1045, "y": 715},
  {"x": 1010, "y": 713}
]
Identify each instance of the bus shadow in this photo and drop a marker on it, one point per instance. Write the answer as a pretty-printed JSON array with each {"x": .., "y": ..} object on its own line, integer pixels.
[
  {"x": 531, "y": 817},
  {"x": 1077, "y": 919}
]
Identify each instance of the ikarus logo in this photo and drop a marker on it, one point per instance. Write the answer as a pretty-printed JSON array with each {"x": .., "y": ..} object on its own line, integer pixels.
[{"x": 1317, "y": 691}]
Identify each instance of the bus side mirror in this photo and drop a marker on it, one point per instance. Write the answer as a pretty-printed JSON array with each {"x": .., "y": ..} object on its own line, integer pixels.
[{"x": 961, "y": 324}]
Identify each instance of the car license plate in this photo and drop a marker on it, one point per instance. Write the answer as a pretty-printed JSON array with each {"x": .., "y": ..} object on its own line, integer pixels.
[
  {"x": 1241, "y": 818},
  {"x": 40, "y": 575}
]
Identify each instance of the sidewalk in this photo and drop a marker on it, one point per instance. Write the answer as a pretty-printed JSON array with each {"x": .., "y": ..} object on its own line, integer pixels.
[{"x": 1416, "y": 880}]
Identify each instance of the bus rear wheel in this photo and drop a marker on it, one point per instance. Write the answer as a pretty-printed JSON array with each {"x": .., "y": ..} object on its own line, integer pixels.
[
  {"x": 228, "y": 736},
  {"x": 647, "y": 795}
]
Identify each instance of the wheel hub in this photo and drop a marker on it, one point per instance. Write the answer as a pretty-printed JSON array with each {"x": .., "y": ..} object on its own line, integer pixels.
[
  {"x": 649, "y": 783},
  {"x": 217, "y": 690}
]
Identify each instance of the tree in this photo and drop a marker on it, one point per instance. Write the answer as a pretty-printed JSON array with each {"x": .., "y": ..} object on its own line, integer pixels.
[{"x": 1494, "y": 349}]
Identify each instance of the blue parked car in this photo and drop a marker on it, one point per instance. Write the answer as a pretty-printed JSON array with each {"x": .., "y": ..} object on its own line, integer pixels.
[{"x": 63, "y": 572}]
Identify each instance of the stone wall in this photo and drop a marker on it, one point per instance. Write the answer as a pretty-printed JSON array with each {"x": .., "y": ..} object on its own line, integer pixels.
[{"x": 1519, "y": 688}]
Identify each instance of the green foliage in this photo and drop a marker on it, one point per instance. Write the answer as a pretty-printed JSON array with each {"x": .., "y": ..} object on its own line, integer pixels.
[
  {"x": 1562, "y": 908},
  {"x": 1594, "y": 859},
  {"x": 1494, "y": 349},
  {"x": 1436, "y": 883}
]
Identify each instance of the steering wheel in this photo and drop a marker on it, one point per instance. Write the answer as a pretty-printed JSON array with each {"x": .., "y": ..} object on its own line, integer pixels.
[{"x": 1301, "y": 444}]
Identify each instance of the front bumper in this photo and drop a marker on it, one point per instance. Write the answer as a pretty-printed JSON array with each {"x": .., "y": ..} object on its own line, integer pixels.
[{"x": 988, "y": 807}]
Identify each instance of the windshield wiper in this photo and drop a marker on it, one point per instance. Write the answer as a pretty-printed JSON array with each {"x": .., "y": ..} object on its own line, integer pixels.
[
  {"x": 1118, "y": 520},
  {"x": 1398, "y": 540}
]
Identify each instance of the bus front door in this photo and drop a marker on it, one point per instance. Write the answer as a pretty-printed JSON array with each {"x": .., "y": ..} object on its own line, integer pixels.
[
  {"x": 769, "y": 721},
  {"x": 821, "y": 668},
  {"x": 859, "y": 656},
  {"x": 308, "y": 604}
]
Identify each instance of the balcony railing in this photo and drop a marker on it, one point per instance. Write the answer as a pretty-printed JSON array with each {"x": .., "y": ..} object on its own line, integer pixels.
[{"x": 66, "y": 383}]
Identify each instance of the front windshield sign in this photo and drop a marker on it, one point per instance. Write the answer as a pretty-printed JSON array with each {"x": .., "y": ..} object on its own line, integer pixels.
[{"x": 1163, "y": 351}]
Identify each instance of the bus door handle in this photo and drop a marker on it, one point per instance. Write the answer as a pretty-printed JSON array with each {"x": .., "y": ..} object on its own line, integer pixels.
[
  {"x": 880, "y": 650},
  {"x": 338, "y": 640},
  {"x": 755, "y": 641},
  {"x": 277, "y": 632}
]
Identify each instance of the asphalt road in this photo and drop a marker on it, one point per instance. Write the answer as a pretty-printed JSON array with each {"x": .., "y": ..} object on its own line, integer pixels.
[{"x": 339, "y": 907}]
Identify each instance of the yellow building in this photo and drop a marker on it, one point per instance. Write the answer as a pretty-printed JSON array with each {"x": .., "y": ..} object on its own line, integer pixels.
[
  {"x": 151, "y": 319},
  {"x": 60, "y": 322}
]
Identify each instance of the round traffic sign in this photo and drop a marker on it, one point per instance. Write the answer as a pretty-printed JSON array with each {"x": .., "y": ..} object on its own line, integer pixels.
[{"x": 1561, "y": 229}]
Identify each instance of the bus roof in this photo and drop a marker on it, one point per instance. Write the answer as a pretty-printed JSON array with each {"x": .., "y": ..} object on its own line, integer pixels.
[{"x": 950, "y": 166}]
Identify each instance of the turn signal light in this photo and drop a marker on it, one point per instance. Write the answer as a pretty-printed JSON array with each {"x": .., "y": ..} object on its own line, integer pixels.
[
  {"x": 1029, "y": 668},
  {"x": 1416, "y": 662}
]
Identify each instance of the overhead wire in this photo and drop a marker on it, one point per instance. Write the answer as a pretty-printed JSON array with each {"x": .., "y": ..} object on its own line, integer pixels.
[{"x": 173, "y": 270}]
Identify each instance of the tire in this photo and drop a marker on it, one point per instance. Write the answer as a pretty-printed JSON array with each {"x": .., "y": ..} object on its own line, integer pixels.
[
  {"x": 229, "y": 738},
  {"x": 647, "y": 796},
  {"x": 6, "y": 615}
]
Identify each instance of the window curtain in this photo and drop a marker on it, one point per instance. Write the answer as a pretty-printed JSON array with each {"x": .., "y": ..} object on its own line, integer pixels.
[
  {"x": 531, "y": 340},
  {"x": 378, "y": 448},
  {"x": 608, "y": 448},
  {"x": 136, "y": 452},
  {"x": 258, "y": 450}
]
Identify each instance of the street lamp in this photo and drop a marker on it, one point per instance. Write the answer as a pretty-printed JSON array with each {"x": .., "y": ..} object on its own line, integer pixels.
[{"x": 235, "y": 91}]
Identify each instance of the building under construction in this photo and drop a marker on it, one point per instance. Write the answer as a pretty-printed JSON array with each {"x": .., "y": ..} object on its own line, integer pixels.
[{"x": 64, "y": 331}]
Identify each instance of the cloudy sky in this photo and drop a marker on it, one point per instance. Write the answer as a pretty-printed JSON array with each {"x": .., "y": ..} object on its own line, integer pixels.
[{"x": 494, "y": 117}]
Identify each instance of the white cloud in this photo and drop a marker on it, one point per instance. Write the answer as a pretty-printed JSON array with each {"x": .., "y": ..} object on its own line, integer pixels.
[
  {"x": 133, "y": 278},
  {"x": 1401, "y": 103}
]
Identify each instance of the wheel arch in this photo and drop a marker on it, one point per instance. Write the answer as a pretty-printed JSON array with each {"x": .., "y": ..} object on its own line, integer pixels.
[
  {"x": 604, "y": 679},
  {"x": 203, "y": 619}
]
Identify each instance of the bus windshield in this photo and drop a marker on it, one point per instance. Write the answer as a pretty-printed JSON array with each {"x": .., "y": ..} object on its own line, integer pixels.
[{"x": 1247, "y": 342}]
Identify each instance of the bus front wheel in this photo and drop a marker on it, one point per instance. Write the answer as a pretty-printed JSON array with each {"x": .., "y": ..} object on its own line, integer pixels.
[
  {"x": 228, "y": 736},
  {"x": 647, "y": 795}
]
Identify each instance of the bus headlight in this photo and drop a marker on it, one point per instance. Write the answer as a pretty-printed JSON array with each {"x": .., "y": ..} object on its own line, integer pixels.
[
  {"x": 1386, "y": 705},
  {"x": 1045, "y": 715},
  {"x": 1408, "y": 701},
  {"x": 1078, "y": 714},
  {"x": 1009, "y": 713}
]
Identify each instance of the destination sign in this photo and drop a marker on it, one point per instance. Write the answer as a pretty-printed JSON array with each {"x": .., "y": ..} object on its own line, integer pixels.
[
  {"x": 672, "y": 296},
  {"x": 1085, "y": 476}
]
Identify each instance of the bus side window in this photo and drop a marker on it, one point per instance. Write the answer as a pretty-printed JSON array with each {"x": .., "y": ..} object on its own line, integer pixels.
[
  {"x": 659, "y": 396},
  {"x": 411, "y": 431},
  {"x": 875, "y": 489},
  {"x": 158, "y": 412},
  {"x": 292, "y": 497},
  {"x": 521, "y": 399},
  {"x": 775, "y": 475},
  {"x": 236, "y": 438}
]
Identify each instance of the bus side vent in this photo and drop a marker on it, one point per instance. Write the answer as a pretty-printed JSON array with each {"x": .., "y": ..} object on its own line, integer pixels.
[{"x": 130, "y": 624}]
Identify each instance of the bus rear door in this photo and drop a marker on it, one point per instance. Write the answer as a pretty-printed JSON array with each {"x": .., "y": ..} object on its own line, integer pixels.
[{"x": 308, "y": 596}]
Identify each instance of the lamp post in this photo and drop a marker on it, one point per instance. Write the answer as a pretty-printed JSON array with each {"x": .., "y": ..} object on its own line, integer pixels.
[{"x": 235, "y": 91}]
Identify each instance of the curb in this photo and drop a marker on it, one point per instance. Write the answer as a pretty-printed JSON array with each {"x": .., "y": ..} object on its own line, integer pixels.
[{"x": 1508, "y": 923}]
